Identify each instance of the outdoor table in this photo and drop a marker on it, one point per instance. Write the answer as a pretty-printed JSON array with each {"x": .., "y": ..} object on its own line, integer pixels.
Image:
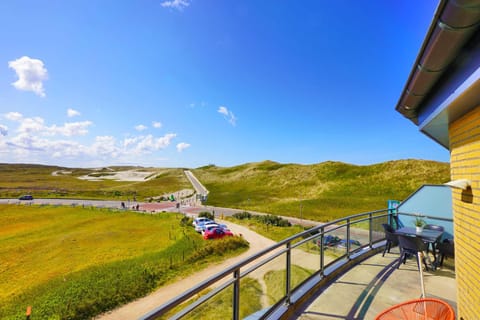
[{"x": 427, "y": 235}]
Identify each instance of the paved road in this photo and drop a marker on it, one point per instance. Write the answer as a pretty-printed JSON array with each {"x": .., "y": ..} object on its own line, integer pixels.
[{"x": 199, "y": 188}]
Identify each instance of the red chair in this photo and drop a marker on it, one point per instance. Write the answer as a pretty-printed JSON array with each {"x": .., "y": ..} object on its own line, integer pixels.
[{"x": 419, "y": 309}]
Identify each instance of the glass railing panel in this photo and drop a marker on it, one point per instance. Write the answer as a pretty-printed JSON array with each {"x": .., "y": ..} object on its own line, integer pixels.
[
  {"x": 334, "y": 243},
  {"x": 271, "y": 277},
  {"x": 217, "y": 307},
  {"x": 305, "y": 261},
  {"x": 378, "y": 232},
  {"x": 359, "y": 234}
]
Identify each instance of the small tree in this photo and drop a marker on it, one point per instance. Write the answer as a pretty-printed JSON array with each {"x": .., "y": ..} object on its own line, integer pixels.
[{"x": 206, "y": 214}]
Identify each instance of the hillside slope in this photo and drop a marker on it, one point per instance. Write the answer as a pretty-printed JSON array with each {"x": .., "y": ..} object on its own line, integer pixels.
[{"x": 321, "y": 191}]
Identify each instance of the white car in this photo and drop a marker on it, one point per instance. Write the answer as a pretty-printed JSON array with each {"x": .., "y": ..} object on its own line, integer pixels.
[
  {"x": 199, "y": 225},
  {"x": 199, "y": 220}
]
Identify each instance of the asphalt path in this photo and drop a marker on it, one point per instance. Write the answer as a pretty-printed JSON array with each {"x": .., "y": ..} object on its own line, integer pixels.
[{"x": 199, "y": 188}]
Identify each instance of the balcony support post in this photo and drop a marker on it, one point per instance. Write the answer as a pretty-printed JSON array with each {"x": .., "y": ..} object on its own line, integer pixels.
[
  {"x": 236, "y": 295},
  {"x": 322, "y": 258},
  {"x": 288, "y": 273}
]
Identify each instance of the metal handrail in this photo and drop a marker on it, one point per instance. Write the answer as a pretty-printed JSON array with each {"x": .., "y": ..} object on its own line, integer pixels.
[{"x": 283, "y": 247}]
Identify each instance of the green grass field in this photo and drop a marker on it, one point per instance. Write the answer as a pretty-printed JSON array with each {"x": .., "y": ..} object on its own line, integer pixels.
[{"x": 71, "y": 263}]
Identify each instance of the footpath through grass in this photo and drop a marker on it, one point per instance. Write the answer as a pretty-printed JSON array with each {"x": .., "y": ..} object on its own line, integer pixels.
[{"x": 74, "y": 263}]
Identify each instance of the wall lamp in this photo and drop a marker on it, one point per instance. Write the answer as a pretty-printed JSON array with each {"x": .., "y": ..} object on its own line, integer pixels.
[{"x": 463, "y": 184}]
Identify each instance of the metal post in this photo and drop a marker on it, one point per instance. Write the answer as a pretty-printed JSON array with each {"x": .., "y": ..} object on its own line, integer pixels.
[
  {"x": 370, "y": 230},
  {"x": 348, "y": 239},
  {"x": 288, "y": 273},
  {"x": 236, "y": 295},
  {"x": 322, "y": 259}
]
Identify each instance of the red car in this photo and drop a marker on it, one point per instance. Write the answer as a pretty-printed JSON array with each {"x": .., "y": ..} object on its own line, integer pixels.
[{"x": 217, "y": 233}]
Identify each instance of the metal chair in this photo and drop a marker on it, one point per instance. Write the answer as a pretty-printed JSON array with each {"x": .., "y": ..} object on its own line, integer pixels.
[
  {"x": 426, "y": 308},
  {"x": 446, "y": 248},
  {"x": 392, "y": 239},
  {"x": 411, "y": 246},
  {"x": 434, "y": 244}
]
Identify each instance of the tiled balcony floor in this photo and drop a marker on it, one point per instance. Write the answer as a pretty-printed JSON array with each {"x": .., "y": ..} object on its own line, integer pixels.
[{"x": 377, "y": 284}]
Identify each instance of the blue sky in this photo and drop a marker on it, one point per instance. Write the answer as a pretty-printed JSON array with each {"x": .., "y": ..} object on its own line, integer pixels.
[{"x": 186, "y": 83}]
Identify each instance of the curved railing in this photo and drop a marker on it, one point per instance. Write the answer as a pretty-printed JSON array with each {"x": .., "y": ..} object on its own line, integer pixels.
[{"x": 305, "y": 261}]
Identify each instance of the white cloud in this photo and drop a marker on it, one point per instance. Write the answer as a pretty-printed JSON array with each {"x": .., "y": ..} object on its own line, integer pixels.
[
  {"x": 229, "y": 116},
  {"x": 157, "y": 124},
  {"x": 223, "y": 110},
  {"x": 31, "y": 125},
  {"x": 141, "y": 127},
  {"x": 72, "y": 128},
  {"x": 182, "y": 146},
  {"x": 37, "y": 125},
  {"x": 129, "y": 142},
  {"x": 14, "y": 116},
  {"x": 31, "y": 74},
  {"x": 150, "y": 143},
  {"x": 32, "y": 139},
  {"x": 72, "y": 113},
  {"x": 104, "y": 146},
  {"x": 3, "y": 130},
  {"x": 175, "y": 4}
]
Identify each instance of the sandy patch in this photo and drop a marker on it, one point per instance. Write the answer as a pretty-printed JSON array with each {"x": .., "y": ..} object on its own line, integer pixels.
[
  {"x": 61, "y": 172},
  {"x": 128, "y": 175}
]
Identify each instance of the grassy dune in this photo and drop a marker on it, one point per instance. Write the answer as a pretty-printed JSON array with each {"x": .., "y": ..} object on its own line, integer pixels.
[{"x": 325, "y": 191}]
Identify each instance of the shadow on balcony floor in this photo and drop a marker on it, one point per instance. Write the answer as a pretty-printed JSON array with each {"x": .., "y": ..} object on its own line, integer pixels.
[{"x": 375, "y": 285}]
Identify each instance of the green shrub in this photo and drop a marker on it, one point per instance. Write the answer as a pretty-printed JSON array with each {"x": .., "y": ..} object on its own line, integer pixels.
[
  {"x": 219, "y": 247},
  {"x": 265, "y": 219},
  {"x": 242, "y": 215},
  {"x": 207, "y": 214},
  {"x": 186, "y": 221}
]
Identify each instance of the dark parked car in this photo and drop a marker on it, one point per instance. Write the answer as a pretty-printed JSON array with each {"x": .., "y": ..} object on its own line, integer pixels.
[
  {"x": 26, "y": 197},
  {"x": 329, "y": 240}
]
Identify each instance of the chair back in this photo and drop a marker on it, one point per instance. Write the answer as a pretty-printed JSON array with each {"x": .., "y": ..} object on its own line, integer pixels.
[
  {"x": 447, "y": 248},
  {"x": 387, "y": 227},
  {"x": 390, "y": 234},
  {"x": 411, "y": 243}
]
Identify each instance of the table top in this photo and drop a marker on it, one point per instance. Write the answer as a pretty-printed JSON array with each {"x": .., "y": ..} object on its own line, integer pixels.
[{"x": 427, "y": 234}]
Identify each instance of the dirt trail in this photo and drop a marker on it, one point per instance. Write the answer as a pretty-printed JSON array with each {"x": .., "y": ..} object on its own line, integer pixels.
[{"x": 146, "y": 304}]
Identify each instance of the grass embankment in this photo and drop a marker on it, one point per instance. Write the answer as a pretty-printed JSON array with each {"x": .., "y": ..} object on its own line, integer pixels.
[
  {"x": 18, "y": 179},
  {"x": 275, "y": 281},
  {"x": 268, "y": 230},
  {"x": 321, "y": 192},
  {"x": 73, "y": 263},
  {"x": 220, "y": 306}
]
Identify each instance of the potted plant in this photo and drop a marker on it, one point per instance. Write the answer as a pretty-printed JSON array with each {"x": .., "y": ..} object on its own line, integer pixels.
[{"x": 419, "y": 223}]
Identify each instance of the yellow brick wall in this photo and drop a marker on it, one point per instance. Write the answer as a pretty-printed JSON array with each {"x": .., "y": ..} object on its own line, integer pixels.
[{"x": 465, "y": 164}]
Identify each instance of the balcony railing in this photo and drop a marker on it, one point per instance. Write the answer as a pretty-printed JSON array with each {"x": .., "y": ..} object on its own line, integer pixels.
[{"x": 306, "y": 262}]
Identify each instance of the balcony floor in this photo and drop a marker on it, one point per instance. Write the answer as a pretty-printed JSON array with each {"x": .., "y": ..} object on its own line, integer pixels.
[{"x": 377, "y": 284}]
